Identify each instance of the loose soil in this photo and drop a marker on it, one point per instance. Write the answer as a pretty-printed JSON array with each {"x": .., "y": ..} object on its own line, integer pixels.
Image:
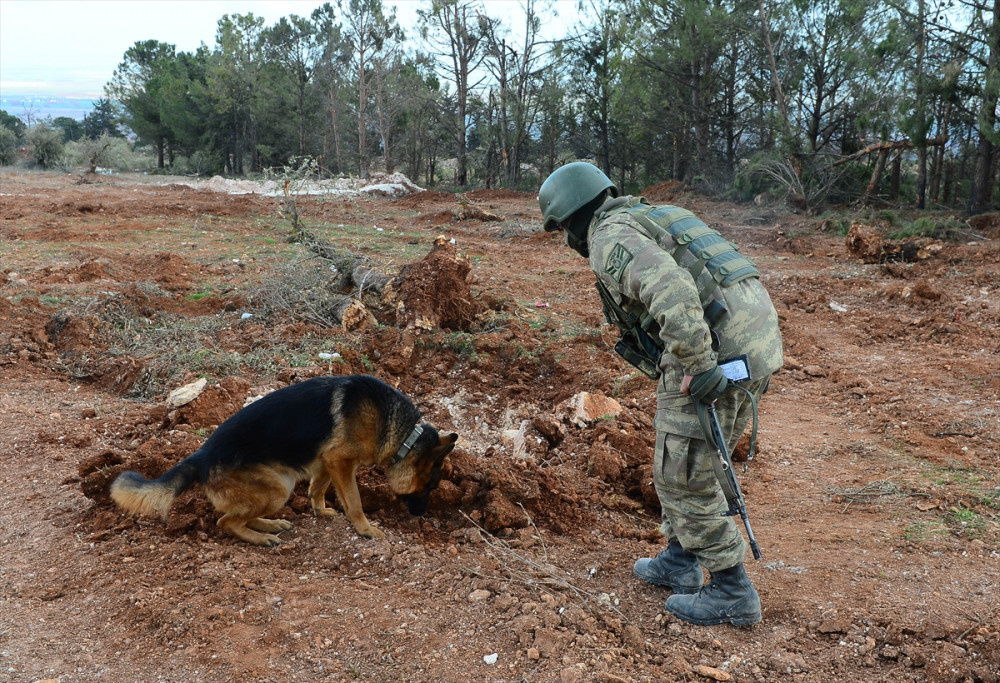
[{"x": 875, "y": 493}]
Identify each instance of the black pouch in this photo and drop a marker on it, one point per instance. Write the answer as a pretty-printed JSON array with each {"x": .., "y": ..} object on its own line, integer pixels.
[{"x": 634, "y": 353}]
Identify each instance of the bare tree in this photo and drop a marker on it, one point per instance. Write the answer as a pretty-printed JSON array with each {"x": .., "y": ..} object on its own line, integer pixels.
[
  {"x": 453, "y": 30},
  {"x": 370, "y": 34},
  {"x": 517, "y": 80}
]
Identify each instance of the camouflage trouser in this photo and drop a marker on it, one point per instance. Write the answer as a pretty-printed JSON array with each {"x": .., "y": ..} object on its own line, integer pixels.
[{"x": 690, "y": 496}]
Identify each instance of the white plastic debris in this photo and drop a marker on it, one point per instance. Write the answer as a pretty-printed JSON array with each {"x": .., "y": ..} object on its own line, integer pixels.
[
  {"x": 837, "y": 307},
  {"x": 328, "y": 356},
  {"x": 491, "y": 659},
  {"x": 451, "y": 241},
  {"x": 246, "y": 315}
]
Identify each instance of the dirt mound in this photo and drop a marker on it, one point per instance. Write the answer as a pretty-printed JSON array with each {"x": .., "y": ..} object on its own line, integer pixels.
[
  {"x": 213, "y": 406},
  {"x": 494, "y": 195},
  {"x": 422, "y": 198},
  {"x": 987, "y": 225},
  {"x": 664, "y": 192},
  {"x": 435, "y": 293}
]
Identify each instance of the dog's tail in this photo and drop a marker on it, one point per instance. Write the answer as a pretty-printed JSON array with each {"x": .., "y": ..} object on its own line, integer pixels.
[{"x": 141, "y": 496}]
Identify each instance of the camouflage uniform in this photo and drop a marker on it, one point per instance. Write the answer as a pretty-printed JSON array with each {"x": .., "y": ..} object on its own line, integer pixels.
[{"x": 638, "y": 272}]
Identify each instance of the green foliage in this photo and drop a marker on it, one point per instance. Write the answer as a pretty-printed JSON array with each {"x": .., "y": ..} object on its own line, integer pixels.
[
  {"x": 940, "y": 227},
  {"x": 8, "y": 146},
  {"x": 103, "y": 120},
  {"x": 104, "y": 152},
  {"x": 46, "y": 145},
  {"x": 71, "y": 128},
  {"x": 888, "y": 216},
  {"x": 14, "y": 124},
  {"x": 650, "y": 91}
]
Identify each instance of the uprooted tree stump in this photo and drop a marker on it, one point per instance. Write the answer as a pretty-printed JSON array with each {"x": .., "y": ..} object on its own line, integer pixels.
[
  {"x": 870, "y": 246},
  {"x": 434, "y": 292},
  {"x": 431, "y": 293}
]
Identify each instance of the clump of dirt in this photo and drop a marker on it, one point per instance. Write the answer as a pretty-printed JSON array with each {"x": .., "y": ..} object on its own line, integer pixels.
[
  {"x": 70, "y": 332},
  {"x": 434, "y": 292},
  {"x": 870, "y": 246},
  {"x": 462, "y": 212},
  {"x": 25, "y": 335}
]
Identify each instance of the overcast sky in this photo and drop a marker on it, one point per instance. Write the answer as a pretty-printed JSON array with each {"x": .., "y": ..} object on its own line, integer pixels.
[{"x": 71, "y": 47}]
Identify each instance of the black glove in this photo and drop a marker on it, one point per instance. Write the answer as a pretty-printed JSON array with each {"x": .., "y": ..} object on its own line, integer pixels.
[{"x": 709, "y": 385}]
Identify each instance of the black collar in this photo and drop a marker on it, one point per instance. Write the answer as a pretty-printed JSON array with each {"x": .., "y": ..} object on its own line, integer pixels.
[{"x": 407, "y": 445}]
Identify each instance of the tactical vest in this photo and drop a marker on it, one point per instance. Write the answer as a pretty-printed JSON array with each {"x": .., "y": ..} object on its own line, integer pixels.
[{"x": 693, "y": 246}]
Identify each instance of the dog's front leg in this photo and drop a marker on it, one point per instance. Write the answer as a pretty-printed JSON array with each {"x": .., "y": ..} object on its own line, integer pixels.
[
  {"x": 343, "y": 475},
  {"x": 318, "y": 486}
]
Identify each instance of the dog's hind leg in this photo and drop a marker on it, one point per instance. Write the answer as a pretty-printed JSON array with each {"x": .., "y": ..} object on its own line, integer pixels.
[
  {"x": 246, "y": 496},
  {"x": 240, "y": 528},
  {"x": 269, "y": 526}
]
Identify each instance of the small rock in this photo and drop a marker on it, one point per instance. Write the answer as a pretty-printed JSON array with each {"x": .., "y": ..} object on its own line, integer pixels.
[
  {"x": 713, "y": 673},
  {"x": 479, "y": 595},
  {"x": 585, "y": 407},
  {"x": 633, "y": 637},
  {"x": 549, "y": 427},
  {"x": 570, "y": 675},
  {"x": 187, "y": 393},
  {"x": 814, "y": 371}
]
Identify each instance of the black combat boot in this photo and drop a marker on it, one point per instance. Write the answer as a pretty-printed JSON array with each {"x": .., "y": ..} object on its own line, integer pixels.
[
  {"x": 729, "y": 596},
  {"x": 675, "y": 568}
]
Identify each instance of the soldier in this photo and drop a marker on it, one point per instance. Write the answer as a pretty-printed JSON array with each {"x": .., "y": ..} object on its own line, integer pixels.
[{"x": 686, "y": 301}]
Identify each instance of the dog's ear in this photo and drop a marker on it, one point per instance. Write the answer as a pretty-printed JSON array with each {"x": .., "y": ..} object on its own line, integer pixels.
[{"x": 445, "y": 445}]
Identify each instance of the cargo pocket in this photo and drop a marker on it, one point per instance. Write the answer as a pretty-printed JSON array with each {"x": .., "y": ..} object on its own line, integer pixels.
[{"x": 678, "y": 416}]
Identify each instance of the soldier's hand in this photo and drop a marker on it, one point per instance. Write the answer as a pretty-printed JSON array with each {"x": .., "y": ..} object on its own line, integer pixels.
[{"x": 706, "y": 386}]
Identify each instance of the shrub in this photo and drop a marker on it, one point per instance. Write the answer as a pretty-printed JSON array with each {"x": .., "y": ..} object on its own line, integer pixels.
[
  {"x": 8, "y": 146},
  {"x": 103, "y": 152},
  {"x": 46, "y": 145}
]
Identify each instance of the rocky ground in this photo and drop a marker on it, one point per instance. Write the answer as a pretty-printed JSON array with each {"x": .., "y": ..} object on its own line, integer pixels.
[{"x": 875, "y": 494}]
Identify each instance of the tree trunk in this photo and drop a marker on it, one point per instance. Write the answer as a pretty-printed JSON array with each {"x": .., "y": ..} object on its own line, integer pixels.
[
  {"x": 897, "y": 164},
  {"x": 982, "y": 189},
  {"x": 883, "y": 156}
]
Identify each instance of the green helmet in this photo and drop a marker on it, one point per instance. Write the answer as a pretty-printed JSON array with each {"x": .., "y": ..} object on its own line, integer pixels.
[{"x": 569, "y": 188}]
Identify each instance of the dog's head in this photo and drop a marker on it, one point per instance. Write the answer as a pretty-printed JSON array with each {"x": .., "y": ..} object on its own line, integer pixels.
[{"x": 415, "y": 476}]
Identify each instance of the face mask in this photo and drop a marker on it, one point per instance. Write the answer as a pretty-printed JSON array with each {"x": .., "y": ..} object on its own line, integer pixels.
[{"x": 576, "y": 238}]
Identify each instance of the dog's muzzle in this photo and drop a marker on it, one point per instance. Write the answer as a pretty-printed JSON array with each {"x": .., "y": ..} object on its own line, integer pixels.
[{"x": 417, "y": 503}]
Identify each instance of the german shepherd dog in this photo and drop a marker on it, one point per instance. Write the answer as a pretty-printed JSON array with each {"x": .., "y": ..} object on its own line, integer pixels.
[{"x": 322, "y": 430}]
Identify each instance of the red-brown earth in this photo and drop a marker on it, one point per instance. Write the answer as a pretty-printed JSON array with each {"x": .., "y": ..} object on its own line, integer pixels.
[{"x": 875, "y": 493}]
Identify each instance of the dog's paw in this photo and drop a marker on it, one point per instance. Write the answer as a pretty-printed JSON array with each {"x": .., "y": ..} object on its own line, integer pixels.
[
  {"x": 372, "y": 533},
  {"x": 268, "y": 541},
  {"x": 283, "y": 524},
  {"x": 324, "y": 512}
]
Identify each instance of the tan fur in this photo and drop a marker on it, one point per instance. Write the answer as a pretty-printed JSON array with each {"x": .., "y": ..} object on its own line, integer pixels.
[
  {"x": 150, "y": 500},
  {"x": 247, "y": 495}
]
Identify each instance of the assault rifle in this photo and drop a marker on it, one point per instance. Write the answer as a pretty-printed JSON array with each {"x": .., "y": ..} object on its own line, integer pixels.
[{"x": 724, "y": 471}]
